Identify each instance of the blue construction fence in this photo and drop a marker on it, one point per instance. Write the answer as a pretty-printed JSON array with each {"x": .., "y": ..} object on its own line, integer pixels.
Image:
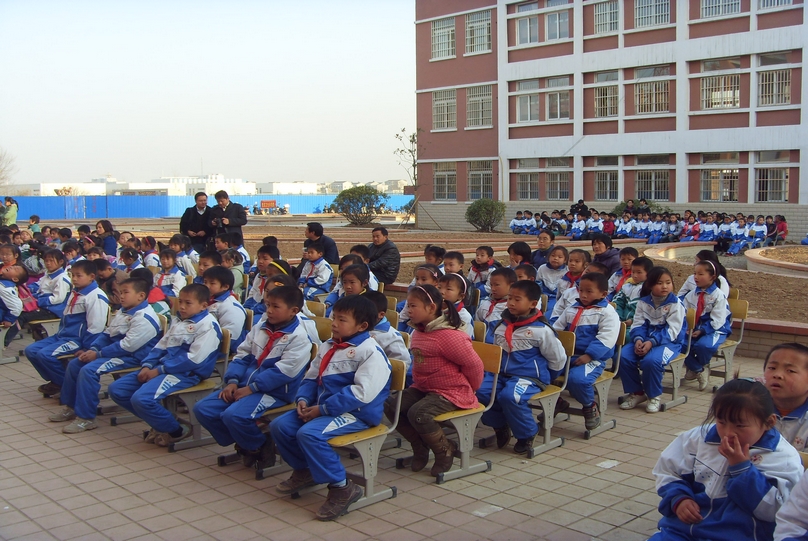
[{"x": 96, "y": 207}]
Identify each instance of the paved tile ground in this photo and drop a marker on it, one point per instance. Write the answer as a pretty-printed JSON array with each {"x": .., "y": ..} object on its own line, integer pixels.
[{"x": 109, "y": 484}]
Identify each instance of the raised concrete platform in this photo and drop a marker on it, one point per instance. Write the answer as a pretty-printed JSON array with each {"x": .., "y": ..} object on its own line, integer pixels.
[{"x": 757, "y": 261}]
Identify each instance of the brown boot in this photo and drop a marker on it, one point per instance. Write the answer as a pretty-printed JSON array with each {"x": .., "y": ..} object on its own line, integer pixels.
[
  {"x": 442, "y": 448},
  {"x": 339, "y": 500},
  {"x": 299, "y": 480},
  {"x": 420, "y": 454}
]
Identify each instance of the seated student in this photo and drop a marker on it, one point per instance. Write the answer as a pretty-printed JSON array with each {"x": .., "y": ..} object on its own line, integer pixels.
[
  {"x": 578, "y": 227},
  {"x": 691, "y": 230},
  {"x": 526, "y": 272},
  {"x": 362, "y": 251},
  {"x": 182, "y": 358},
  {"x": 83, "y": 320},
  {"x": 237, "y": 242},
  {"x": 723, "y": 282},
  {"x": 224, "y": 306},
  {"x": 672, "y": 230},
  {"x": 530, "y": 226},
  {"x": 616, "y": 281},
  {"x": 265, "y": 374},
  {"x": 641, "y": 226},
  {"x": 453, "y": 262},
  {"x": 713, "y": 322},
  {"x": 281, "y": 280},
  {"x": 490, "y": 309},
  {"x": 316, "y": 275},
  {"x": 792, "y": 522},
  {"x": 570, "y": 296},
  {"x": 72, "y": 253},
  {"x": 207, "y": 260},
  {"x": 95, "y": 253},
  {"x": 343, "y": 392},
  {"x": 232, "y": 260},
  {"x": 594, "y": 225},
  {"x": 10, "y": 255},
  {"x": 550, "y": 274},
  {"x": 785, "y": 372},
  {"x": 274, "y": 253},
  {"x": 758, "y": 232},
  {"x": 150, "y": 256},
  {"x": 481, "y": 268},
  {"x": 434, "y": 256},
  {"x": 578, "y": 261},
  {"x": 782, "y": 229},
  {"x": 130, "y": 260},
  {"x": 657, "y": 335},
  {"x": 180, "y": 245},
  {"x": 454, "y": 288},
  {"x": 656, "y": 229},
  {"x": 531, "y": 356},
  {"x": 10, "y": 303},
  {"x": 266, "y": 268},
  {"x": 50, "y": 293},
  {"x": 222, "y": 243},
  {"x": 517, "y": 223},
  {"x": 424, "y": 274},
  {"x": 609, "y": 224},
  {"x": 109, "y": 279},
  {"x": 168, "y": 283},
  {"x": 519, "y": 254},
  {"x": 389, "y": 339},
  {"x": 625, "y": 302},
  {"x": 724, "y": 234},
  {"x": 353, "y": 280},
  {"x": 708, "y": 231},
  {"x": 130, "y": 336},
  {"x": 446, "y": 373},
  {"x": 63, "y": 235},
  {"x": 337, "y": 291},
  {"x": 596, "y": 326}
]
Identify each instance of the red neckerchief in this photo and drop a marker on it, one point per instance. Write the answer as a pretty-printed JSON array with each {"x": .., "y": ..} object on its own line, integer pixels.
[
  {"x": 263, "y": 284},
  {"x": 622, "y": 280},
  {"x": 73, "y": 301},
  {"x": 493, "y": 305},
  {"x": 459, "y": 306},
  {"x": 578, "y": 316},
  {"x": 572, "y": 278},
  {"x": 510, "y": 327},
  {"x": 273, "y": 336},
  {"x": 699, "y": 306},
  {"x": 327, "y": 358}
]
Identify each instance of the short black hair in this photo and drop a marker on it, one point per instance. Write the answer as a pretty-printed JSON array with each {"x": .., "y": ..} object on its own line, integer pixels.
[
  {"x": 457, "y": 256},
  {"x": 791, "y": 346},
  {"x": 197, "y": 195},
  {"x": 199, "y": 292},
  {"x": 224, "y": 237},
  {"x": 168, "y": 252},
  {"x": 221, "y": 194},
  {"x": 645, "y": 262},
  {"x": 605, "y": 239},
  {"x": 220, "y": 274},
  {"x": 378, "y": 298},
  {"x": 530, "y": 270},
  {"x": 351, "y": 259},
  {"x": 85, "y": 266},
  {"x": 144, "y": 275},
  {"x": 600, "y": 280},
  {"x": 362, "y": 310},
  {"x": 317, "y": 247},
  {"x": 271, "y": 251},
  {"x": 316, "y": 228},
  {"x": 488, "y": 250},
  {"x": 361, "y": 272},
  {"x": 34, "y": 218},
  {"x": 435, "y": 251},
  {"x": 139, "y": 285},
  {"x": 66, "y": 233},
  {"x": 70, "y": 246},
  {"x": 520, "y": 248},
  {"x": 530, "y": 288},
  {"x": 56, "y": 254},
  {"x": 597, "y": 267},
  {"x": 507, "y": 273},
  {"x": 382, "y": 230},
  {"x": 129, "y": 253},
  {"x": 586, "y": 255},
  {"x": 629, "y": 250},
  {"x": 236, "y": 238},
  {"x": 213, "y": 255},
  {"x": 361, "y": 250},
  {"x": 100, "y": 264},
  {"x": 180, "y": 240},
  {"x": 270, "y": 240},
  {"x": 289, "y": 295},
  {"x": 84, "y": 228}
]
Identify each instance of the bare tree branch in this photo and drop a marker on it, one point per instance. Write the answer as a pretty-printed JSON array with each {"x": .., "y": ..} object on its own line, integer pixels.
[{"x": 7, "y": 168}]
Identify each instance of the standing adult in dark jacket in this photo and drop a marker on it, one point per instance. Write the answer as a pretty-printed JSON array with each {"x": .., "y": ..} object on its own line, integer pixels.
[
  {"x": 314, "y": 233},
  {"x": 195, "y": 222},
  {"x": 605, "y": 253},
  {"x": 227, "y": 217},
  {"x": 385, "y": 259}
]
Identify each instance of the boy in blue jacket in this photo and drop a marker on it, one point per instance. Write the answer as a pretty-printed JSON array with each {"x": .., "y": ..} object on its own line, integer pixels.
[
  {"x": 10, "y": 303},
  {"x": 84, "y": 318},
  {"x": 182, "y": 358},
  {"x": 131, "y": 335},
  {"x": 265, "y": 374},
  {"x": 224, "y": 305},
  {"x": 316, "y": 275},
  {"x": 343, "y": 392}
]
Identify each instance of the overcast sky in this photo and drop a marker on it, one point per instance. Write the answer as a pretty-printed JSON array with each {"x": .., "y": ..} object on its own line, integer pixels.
[{"x": 264, "y": 90}]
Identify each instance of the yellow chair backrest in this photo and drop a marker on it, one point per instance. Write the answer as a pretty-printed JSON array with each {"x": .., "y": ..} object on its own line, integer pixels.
[
  {"x": 734, "y": 293},
  {"x": 479, "y": 331},
  {"x": 739, "y": 308},
  {"x": 224, "y": 347},
  {"x": 316, "y": 308},
  {"x": 381, "y": 287},
  {"x": 543, "y": 303},
  {"x": 189, "y": 280},
  {"x": 621, "y": 337},
  {"x": 313, "y": 352},
  {"x": 323, "y": 327},
  {"x": 804, "y": 457},
  {"x": 490, "y": 354},
  {"x": 691, "y": 319},
  {"x": 248, "y": 323},
  {"x": 335, "y": 269},
  {"x": 391, "y": 303},
  {"x": 173, "y": 304},
  {"x": 399, "y": 375},
  {"x": 567, "y": 339},
  {"x": 406, "y": 337},
  {"x": 245, "y": 283},
  {"x": 154, "y": 270},
  {"x": 196, "y": 267},
  {"x": 163, "y": 320},
  {"x": 392, "y": 317}
]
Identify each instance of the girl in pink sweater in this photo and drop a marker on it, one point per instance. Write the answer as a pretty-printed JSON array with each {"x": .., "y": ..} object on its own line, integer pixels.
[{"x": 446, "y": 371}]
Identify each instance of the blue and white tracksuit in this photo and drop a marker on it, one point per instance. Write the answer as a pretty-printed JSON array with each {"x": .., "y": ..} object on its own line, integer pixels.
[
  {"x": 715, "y": 325},
  {"x": 758, "y": 234},
  {"x": 567, "y": 281},
  {"x": 10, "y": 303},
  {"x": 708, "y": 232},
  {"x": 193, "y": 255},
  {"x": 549, "y": 278},
  {"x": 135, "y": 265},
  {"x": 255, "y": 297},
  {"x": 246, "y": 256},
  {"x": 273, "y": 382},
  {"x": 725, "y": 231},
  {"x": 665, "y": 326},
  {"x": 170, "y": 281},
  {"x": 51, "y": 291},
  {"x": 131, "y": 335},
  {"x": 351, "y": 395},
  {"x": 183, "y": 357},
  {"x": 335, "y": 295},
  {"x": 315, "y": 278},
  {"x": 478, "y": 276},
  {"x": 614, "y": 279},
  {"x": 231, "y": 316},
  {"x": 794, "y": 427},
  {"x": 577, "y": 230},
  {"x": 594, "y": 226},
  {"x": 625, "y": 228},
  {"x": 151, "y": 259},
  {"x": 655, "y": 231},
  {"x": 392, "y": 343},
  {"x": 185, "y": 264},
  {"x": 490, "y": 313},
  {"x": 792, "y": 520},
  {"x": 516, "y": 225},
  {"x": 84, "y": 318},
  {"x": 740, "y": 240},
  {"x": 595, "y": 335},
  {"x": 467, "y": 322},
  {"x": 528, "y": 362},
  {"x": 308, "y": 324},
  {"x": 564, "y": 301},
  {"x": 690, "y": 285},
  {"x": 641, "y": 229},
  {"x": 735, "y": 502}
]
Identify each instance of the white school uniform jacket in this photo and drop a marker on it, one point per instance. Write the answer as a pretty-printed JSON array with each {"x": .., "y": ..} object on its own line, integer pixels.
[
  {"x": 794, "y": 427},
  {"x": 658, "y": 227},
  {"x": 468, "y": 322},
  {"x": 171, "y": 281},
  {"x": 549, "y": 278},
  {"x": 716, "y": 317},
  {"x": 563, "y": 301},
  {"x": 316, "y": 274},
  {"x": 490, "y": 312},
  {"x": 231, "y": 316},
  {"x": 596, "y": 331},
  {"x": 578, "y": 226},
  {"x": 391, "y": 342},
  {"x": 662, "y": 325},
  {"x": 52, "y": 291},
  {"x": 736, "y": 502},
  {"x": 185, "y": 264},
  {"x": 132, "y": 333},
  {"x": 690, "y": 285},
  {"x": 624, "y": 228},
  {"x": 256, "y": 292},
  {"x": 151, "y": 259},
  {"x": 193, "y": 255},
  {"x": 10, "y": 303},
  {"x": 530, "y": 222},
  {"x": 792, "y": 520},
  {"x": 516, "y": 222}
]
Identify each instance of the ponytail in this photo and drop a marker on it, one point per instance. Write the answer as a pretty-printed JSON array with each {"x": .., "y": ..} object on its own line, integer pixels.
[{"x": 451, "y": 314}]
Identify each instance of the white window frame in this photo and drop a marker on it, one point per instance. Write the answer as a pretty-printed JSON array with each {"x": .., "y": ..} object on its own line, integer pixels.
[
  {"x": 480, "y": 180},
  {"x": 607, "y": 17},
  {"x": 606, "y": 185},
  {"x": 774, "y": 87},
  {"x": 606, "y": 101},
  {"x": 478, "y": 32},
  {"x": 649, "y": 13},
  {"x": 527, "y": 30},
  {"x": 771, "y": 185},
  {"x": 444, "y": 109},
  {"x": 559, "y": 23},
  {"x": 557, "y": 185},
  {"x": 719, "y": 8},
  {"x": 720, "y": 91},
  {"x": 443, "y": 39},
  {"x": 724, "y": 189},
  {"x": 652, "y": 184},
  {"x": 478, "y": 107},
  {"x": 527, "y": 103},
  {"x": 558, "y": 99},
  {"x": 769, "y": 4},
  {"x": 444, "y": 181},
  {"x": 527, "y": 187},
  {"x": 651, "y": 97}
]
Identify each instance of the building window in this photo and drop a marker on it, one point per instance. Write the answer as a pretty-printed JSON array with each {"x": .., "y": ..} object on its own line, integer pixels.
[
  {"x": 720, "y": 157},
  {"x": 653, "y": 159},
  {"x": 478, "y": 32},
  {"x": 445, "y": 181},
  {"x": 443, "y": 38},
  {"x": 651, "y": 13},
  {"x": 558, "y": 25},
  {"x": 527, "y": 163},
  {"x": 771, "y": 185},
  {"x": 529, "y": 6},
  {"x": 652, "y": 185},
  {"x": 716, "y": 8},
  {"x": 719, "y": 185},
  {"x": 444, "y": 110},
  {"x": 527, "y": 30},
  {"x": 606, "y": 186},
  {"x": 478, "y": 106},
  {"x": 651, "y": 97},
  {"x": 481, "y": 180},
  {"x": 558, "y": 105},
  {"x": 774, "y": 87},
  {"x": 766, "y": 4},
  {"x": 605, "y": 101},
  {"x": 527, "y": 185},
  {"x": 528, "y": 108},
  {"x": 606, "y": 17},
  {"x": 773, "y": 156},
  {"x": 558, "y": 186},
  {"x": 721, "y": 92}
]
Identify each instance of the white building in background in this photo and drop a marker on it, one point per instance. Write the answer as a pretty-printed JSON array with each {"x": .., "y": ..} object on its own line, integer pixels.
[
  {"x": 55, "y": 188},
  {"x": 288, "y": 188},
  {"x": 209, "y": 184}
]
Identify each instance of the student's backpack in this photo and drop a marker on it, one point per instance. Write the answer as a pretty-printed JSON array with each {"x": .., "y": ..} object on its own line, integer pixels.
[{"x": 29, "y": 303}]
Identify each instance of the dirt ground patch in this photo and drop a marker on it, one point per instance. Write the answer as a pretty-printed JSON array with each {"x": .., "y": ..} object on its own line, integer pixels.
[{"x": 790, "y": 254}]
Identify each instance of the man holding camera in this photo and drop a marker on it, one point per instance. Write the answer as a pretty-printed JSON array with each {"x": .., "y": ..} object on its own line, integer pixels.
[{"x": 226, "y": 216}]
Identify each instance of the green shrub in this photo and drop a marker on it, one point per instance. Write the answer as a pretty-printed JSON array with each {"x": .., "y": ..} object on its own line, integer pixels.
[
  {"x": 485, "y": 214},
  {"x": 360, "y": 205}
]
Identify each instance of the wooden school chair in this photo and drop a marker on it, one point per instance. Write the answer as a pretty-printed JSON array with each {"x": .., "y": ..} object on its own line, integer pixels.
[
  {"x": 245, "y": 288},
  {"x": 479, "y": 331},
  {"x": 543, "y": 303},
  {"x": 154, "y": 270},
  {"x": 316, "y": 308},
  {"x": 734, "y": 293},
  {"x": 323, "y": 328},
  {"x": 392, "y": 317},
  {"x": 406, "y": 337},
  {"x": 381, "y": 287},
  {"x": 3, "y": 358},
  {"x": 726, "y": 351},
  {"x": 391, "y": 303},
  {"x": 189, "y": 280},
  {"x": 804, "y": 457}
]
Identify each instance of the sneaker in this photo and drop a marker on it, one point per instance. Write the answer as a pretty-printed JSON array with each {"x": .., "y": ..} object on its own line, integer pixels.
[
  {"x": 690, "y": 375},
  {"x": 65, "y": 414},
  {"x": 503, "y": 436},
  {"x": 653, "y": 405},
  {"x": 149, "y": 438},
  {"x": 631, "y": 401},
  {"x": 163, "y": 439},
  {"x": 704, "y": 379},
  {"x": 591, "y": 416},
  {"x": 49, "y": 389},
  {"x": 80, "y": 425},
  {"x": 339, "y": 500},
  {"x": 299, "y": 480},
  {"x": 522, "y": 445},
  {"x": 561, "y": 406}
]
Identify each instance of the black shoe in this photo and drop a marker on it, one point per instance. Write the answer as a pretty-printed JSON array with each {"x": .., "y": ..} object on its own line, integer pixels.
[
  {"x": 591, "y": 416},
  {"x": 266, "y": 455},
  {"x": 561, "y": 406},
  {"x": 503, "y": 436},
  {"x": 522, "y": 445}
]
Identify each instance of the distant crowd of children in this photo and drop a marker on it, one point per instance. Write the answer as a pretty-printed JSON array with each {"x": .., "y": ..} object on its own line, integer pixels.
[{"x": 744, "y": 464}]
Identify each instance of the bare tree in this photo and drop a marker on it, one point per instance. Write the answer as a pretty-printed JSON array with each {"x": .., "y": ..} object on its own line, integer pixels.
[
  {"x": 7, "y": 168},
  {"x": 407, "y": 153}
]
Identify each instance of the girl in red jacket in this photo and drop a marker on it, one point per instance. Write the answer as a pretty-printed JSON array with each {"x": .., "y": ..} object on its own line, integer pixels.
[{"x": 446, "y": 371}]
